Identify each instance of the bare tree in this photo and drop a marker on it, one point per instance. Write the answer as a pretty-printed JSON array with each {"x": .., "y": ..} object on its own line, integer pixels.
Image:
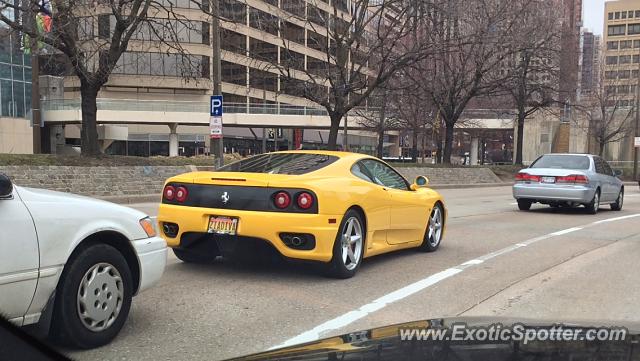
[
  {"x": 533, "y": 72},
  {"x": 471, "y": 39},
  {"x": 378, "y": 118},
  {"x": 359, "y": 45},
  {"x": 607, "y": 109},
  {"x": 93, "y": 55}
]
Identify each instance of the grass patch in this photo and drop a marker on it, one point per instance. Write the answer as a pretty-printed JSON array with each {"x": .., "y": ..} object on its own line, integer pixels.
[{"x": 107, "y": 160}]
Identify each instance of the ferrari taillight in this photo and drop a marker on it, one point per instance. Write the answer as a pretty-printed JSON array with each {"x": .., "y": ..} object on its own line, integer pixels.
[
  {"x": 305, "y": 200},
  {"x": 169, "y": 193},
  {"x": 181, "y": 194},
  {"x": 282, "y": 200}
]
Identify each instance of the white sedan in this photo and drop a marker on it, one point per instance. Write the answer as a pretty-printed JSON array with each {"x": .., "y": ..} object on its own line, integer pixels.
[{"x": 71, "y": 264}]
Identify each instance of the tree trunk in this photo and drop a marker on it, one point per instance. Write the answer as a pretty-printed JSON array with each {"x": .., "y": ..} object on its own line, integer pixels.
[
  {"x": 380, "y": 150},
  {"x": 414, "y": 147},
  {"x": 89, "y": 132},
  {"x": 380, "y": 147},
  {"x": 601, "y": 146},
  {"x": 333, "y": 132},
  {"x": 520, "y": 141},
  {"x": 448, "y": 143}
]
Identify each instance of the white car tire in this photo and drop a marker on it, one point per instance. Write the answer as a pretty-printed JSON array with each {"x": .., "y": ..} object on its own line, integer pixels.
[{"x": 93, "y": 297}]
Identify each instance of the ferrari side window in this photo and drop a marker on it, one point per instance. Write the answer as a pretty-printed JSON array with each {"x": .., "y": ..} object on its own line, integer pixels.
[
  {"x": 385, "y": 175},
  {"x": 360, "y": 173}
]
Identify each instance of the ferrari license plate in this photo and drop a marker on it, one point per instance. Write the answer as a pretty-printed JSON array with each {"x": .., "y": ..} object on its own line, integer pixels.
[
  {"x": 548, "y": 179},
  {"x": 223, "y": 225}
]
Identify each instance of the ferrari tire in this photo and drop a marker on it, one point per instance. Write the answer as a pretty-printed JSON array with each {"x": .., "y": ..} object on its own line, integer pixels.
[
  {"x": 348, "y": 248},
  {"x": 189, "y": 256},
  {"x": 433, "y": 234},
  {"x": 93, "y": 298}
]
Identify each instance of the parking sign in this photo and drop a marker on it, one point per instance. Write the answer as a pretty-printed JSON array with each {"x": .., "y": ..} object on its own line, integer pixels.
[{"x": 216, "y": 105}]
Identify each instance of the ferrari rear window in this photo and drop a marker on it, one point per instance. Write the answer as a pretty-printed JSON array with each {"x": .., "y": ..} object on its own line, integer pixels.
[{"x": 281, "y": 163}]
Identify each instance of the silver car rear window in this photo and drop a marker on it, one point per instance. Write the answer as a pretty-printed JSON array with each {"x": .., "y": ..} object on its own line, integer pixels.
[{"x": 562, "y": 162}]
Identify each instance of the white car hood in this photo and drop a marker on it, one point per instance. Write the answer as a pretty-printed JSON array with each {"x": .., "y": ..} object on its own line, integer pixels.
[{"x": 38, "y": 195}]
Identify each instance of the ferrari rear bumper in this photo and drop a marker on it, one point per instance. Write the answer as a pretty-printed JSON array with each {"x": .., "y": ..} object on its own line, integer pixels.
[{"x": 267, "y": 226}]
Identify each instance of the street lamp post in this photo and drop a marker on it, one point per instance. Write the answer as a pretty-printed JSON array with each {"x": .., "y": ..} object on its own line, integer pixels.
[{"x": 636, "y": 132}]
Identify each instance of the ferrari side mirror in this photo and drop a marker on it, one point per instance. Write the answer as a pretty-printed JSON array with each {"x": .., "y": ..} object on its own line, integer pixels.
[{"x": 420, "y": 182}]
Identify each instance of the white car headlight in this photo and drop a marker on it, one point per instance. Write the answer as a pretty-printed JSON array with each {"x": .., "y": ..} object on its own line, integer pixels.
[{"x": 148, "y": 226}]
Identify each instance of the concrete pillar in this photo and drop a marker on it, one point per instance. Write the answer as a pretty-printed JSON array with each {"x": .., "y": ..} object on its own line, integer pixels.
[
  {"x": 473, "y": 153},
  {"x": 173, "y": 140}
]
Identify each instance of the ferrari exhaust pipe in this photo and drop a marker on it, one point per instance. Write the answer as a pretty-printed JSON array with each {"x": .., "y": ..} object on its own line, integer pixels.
[{"x": 296, "y": 241}]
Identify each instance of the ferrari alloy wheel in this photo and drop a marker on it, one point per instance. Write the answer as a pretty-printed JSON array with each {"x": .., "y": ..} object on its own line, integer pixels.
[
  {"x": 348, "y": 248},
  {"x": 93, "y": 297},
  {"x": 433, "y": 234}
]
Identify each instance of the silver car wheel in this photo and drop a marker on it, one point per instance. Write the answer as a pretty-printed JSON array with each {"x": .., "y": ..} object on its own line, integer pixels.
[
  {"x": 100, "y": 297},
  {"x": 596, "y": 202},
  {"x": 434, "y": 235},
  {"x": 351, "y": 243}
]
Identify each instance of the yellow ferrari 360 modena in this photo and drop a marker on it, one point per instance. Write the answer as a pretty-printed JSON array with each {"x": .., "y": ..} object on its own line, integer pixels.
[{"x": 331, "y": 207}]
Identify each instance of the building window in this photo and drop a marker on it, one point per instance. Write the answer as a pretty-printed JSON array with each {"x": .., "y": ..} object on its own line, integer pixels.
[
  {"x": 624, "y": 74},
  {"x": 612, "y": 45},
  {"x": 623, "y": 89},
  {"x": 233, "y": 42},
  {"x": 260, "y": 20},
  {"x": 615, "y": 30},
  {"x": 293, "y": 32},
  {"x": 634, "y": 29},
  {"x": 610, "y": 16},
  {"x": 295, "y": 7},
  {"x": 630, "y": 14},
  {"x": 234, "y": 73},
  {"x": 617, "y": 15},
  {"x": 610, "y": 74},
  {"x": 636, "y": 44},
  {"x": 636, "y": 59},
  {"x": 637, "y": 13},
  {"x": 625, "y": 44},
  {"x": 263, "y": 80},
  {"x": 292, "y": 60},
  {"x": 261, "y": 50},
  {"x": 612, "y": 60},
  {"x": 624, "y": 59},
  {"x": 233, "y": 10},
  {"x": 634, "y": 74},
  {"x": 623, "y": 15}
]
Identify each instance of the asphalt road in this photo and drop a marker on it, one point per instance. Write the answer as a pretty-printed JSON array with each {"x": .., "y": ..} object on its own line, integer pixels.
[{"x": 546, "y": 264}]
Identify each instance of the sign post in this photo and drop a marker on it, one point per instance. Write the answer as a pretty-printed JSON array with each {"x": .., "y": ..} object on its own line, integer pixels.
[
  {"x": 215, "y": 124},
  {"x": 636, "y": 142}
]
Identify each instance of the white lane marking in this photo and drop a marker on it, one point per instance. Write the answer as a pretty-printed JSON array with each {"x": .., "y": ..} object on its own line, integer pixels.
[
  {"x": 397, "y": 295},
  {"x": 472, "y": 262},
  {"x": 632, "y": 195},
  {"x": 617, "y": 218},
  {"x": 514, "y": 203},
  {"x": 352, "y": 316},
  {"x": 565, "y": 231}
]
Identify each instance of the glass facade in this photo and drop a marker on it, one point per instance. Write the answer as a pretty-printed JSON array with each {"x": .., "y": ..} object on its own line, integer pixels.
[{"x": 15, "y": 77}]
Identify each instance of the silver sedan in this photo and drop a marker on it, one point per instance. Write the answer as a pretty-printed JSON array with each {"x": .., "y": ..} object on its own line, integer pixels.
[{"x": 569, "y": 180}]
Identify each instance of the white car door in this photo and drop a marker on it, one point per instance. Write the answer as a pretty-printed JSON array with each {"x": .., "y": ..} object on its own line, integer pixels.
[{"x": 19, "y": 258}]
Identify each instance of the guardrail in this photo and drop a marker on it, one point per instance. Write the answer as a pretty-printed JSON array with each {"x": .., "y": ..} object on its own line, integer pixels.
[{"x": 187, "y": 106}]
